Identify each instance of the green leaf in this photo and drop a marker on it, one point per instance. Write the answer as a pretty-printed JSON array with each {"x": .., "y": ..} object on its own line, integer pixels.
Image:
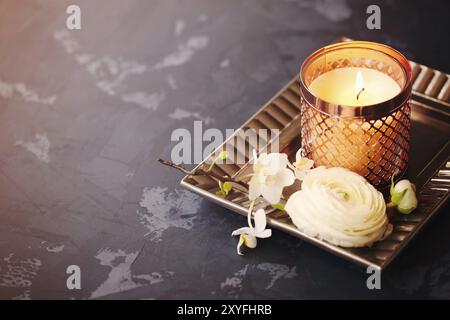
[
  {"x": 226, "y": 187},
  {"x": 278, "y": 206},
  {"x": 392, "y": 185},
  {"x": 398, "y": 196},
  {"x": 223, "y": 155}
]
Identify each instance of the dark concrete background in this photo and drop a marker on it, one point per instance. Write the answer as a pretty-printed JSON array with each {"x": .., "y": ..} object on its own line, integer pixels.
[{"x": 84, "y": 114}]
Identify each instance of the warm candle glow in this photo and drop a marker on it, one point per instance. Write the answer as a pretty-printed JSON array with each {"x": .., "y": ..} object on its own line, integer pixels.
[
  {"x": 352, "y": 86},
  {"x": 359, "y": 84},
  {"x": 343, "y": 85}
]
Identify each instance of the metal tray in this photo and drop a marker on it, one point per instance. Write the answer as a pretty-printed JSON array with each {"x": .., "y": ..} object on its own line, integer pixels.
[{"x": 428, "y": 168}]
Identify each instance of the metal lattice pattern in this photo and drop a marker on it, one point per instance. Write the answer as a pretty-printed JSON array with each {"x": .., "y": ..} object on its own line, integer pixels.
[{"x": 376, "y": 149}]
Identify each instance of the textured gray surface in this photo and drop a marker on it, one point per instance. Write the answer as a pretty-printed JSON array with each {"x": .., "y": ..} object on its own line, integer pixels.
[{"x": 84, "y": 114}]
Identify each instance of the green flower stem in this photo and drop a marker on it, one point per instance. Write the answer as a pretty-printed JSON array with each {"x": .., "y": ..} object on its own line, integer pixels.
[
  {"x": 200, "y": 171},
  {"x": 212, "y": 165},
  {"x": 278, "y": 206},
  {"x": 391, "y": 205},
  {"x": 223, "y": 155}
]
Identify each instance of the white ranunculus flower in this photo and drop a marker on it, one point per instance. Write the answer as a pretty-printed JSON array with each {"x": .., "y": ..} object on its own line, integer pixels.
[
  {"x": 340, "y": 207},
  {"x": 270, "y": 176}
]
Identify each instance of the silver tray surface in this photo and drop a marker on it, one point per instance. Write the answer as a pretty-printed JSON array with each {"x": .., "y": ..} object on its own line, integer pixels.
[{"x": 428, "y": 168}]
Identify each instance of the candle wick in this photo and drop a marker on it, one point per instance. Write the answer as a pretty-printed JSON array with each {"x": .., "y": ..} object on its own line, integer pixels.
[{"x": 357, "y": 97}]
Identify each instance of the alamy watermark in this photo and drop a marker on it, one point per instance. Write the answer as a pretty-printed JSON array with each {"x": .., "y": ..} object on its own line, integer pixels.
[
  {"x": 74, "y": 279},
  {"x": 374, "y": 20},
  {"x": 193, "y": 148},
  {"x": 374, "y": 279},
  {"x": 73, "y": 21}
]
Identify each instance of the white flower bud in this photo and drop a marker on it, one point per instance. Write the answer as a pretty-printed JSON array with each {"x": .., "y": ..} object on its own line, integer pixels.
[{"x": 403, "y": 194}]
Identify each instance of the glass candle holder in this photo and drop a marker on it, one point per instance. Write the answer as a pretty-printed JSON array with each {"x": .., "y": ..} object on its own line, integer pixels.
[{"x": 370, "y": 139}]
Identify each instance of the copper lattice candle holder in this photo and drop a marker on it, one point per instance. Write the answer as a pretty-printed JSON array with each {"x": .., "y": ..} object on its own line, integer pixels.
[{"x": 371, "y": 140}]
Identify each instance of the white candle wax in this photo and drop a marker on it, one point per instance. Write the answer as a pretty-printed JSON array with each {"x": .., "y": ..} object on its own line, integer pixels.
[{"x": 341, "y": 86}]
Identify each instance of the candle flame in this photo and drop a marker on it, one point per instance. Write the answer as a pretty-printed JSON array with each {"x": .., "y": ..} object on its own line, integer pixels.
[{"x": 359, "y": 83}]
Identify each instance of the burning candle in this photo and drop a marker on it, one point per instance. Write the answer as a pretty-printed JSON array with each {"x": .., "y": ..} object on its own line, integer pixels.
[
  {"x": 355, "y": 111},
  {"x": 354, "y": 86}
]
